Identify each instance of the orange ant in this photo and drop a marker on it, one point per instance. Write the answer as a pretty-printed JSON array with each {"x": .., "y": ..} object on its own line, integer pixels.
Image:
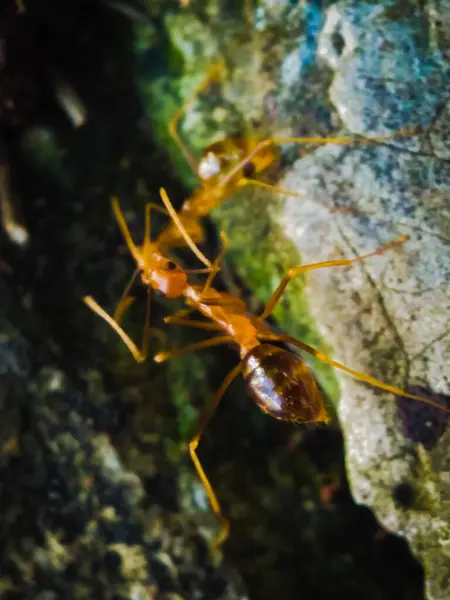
[
  {"x": 278, "y": 380},
  {"x": 229, "y": 165}
]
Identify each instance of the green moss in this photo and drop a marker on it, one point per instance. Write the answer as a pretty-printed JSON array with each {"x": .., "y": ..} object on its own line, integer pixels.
[
  {"x": 189, "y": 49},
  {"x": 193, "y": 39}
]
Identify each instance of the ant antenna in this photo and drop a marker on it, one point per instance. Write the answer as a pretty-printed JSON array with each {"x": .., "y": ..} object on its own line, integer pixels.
[
  {"x": 187, "y": 238},
  {"x": 126, "y": 232},
  {"x": 93, "y": 305},
  {"x": 215, "y": 267},
  {"x": 356, "y": 374}
]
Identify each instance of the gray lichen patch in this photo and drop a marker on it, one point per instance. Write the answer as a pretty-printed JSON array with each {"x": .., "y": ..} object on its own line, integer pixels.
[{"x": 388, "y": 73}]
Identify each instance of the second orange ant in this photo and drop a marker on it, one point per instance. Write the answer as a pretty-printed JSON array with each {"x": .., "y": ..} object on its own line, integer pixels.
[
  {"x": 229, "y": 165},
  {"x": 278, "y": 380}
]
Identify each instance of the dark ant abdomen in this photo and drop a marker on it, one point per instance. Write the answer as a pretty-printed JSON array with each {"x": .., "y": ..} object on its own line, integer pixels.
[{"x": 282, "y": 385}]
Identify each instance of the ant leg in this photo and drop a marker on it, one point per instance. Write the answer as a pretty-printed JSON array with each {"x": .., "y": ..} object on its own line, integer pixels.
[
  {"x": 279, "y": 190},
  {"x": 293, "y": 140},
  {"x": 197, "y": 271},
  {"x": 215, "y": 341},
  {"x": 193, "y": 444},
  {"x": 187, "y": 238},
  {"x": 157, "y": 207},
  {"x": 138, "y": 255},
  {"x": 215, "y": 268},
  {"x": 125, "y": 301},
  {"x": 356, "y": 374},
  {"x": 276, "y": 296},
  {"x": 179, "y": 314},
  {"x": 268, "y": 186},
  {"x": 225, "y": 300},
  {"x": 148, "y": 207},
  {"x": 212, "y": 74},
  {"x": 122, "y": 307},
  {"x": 125, "y": 231},
  {"x": 178, "y": 318},
  {"x": 138, "y": 355},
  {"x": 147, "y": 247},
  {"x": 193, "y": 323},
  {"x": 149, "y": 331}
]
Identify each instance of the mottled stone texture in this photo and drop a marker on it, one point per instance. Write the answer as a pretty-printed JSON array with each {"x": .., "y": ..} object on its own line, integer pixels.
[{"x": 389, "y": 316}]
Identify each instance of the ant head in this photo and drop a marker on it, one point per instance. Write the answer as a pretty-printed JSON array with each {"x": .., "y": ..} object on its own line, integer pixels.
[
  {"x": 167, "y": 277},
  {"x": 221, "y": 156},
  {"x": 243, "y": 155}
]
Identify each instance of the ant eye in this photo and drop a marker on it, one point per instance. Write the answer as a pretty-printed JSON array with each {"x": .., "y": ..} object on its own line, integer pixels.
[
  {"x": 249, "y": 170},
  {"x": 171, "y": 266}
]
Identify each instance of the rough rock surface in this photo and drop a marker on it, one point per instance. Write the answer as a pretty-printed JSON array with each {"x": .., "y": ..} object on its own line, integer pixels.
[
  {"x": 373, "y": 69},
  {"x": 389, "y": 316},
  {"x": 96, "y": 497}
]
